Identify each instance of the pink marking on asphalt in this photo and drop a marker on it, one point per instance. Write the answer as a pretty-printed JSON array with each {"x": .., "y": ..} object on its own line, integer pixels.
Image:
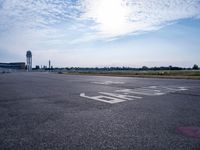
[{"x": 190, "y": 131}]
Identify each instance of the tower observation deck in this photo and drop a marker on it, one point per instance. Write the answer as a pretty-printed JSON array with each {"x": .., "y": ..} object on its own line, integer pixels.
[{"x": 29, "y": 60}]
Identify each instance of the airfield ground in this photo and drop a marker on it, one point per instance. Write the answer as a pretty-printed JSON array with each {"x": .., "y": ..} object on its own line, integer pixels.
[{"x": 57, "y": 111}]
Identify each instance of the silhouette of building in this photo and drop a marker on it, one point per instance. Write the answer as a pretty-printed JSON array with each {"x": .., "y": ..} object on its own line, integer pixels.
[
  {"x": 15, "y": 65},
  {"x": 29, "y": 60},
  {"x": 49, "y": 64}
]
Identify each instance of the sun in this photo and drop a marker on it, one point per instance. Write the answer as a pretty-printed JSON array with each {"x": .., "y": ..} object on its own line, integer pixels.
[{"x": 110, "y": 15}]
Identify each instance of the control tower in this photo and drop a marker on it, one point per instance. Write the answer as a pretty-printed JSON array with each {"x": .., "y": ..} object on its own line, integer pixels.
[{"x": 29, "y": 60}]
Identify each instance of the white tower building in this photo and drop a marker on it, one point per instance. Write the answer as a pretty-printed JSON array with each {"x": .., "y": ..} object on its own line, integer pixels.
[{"x": 29, "y": 60}]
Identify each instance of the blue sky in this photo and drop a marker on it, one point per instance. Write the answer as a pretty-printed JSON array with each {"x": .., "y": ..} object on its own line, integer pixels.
[{"x": 91, "y": 33}]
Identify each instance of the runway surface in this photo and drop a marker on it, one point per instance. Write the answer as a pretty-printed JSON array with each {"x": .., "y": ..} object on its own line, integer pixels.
[{"x": 60, "y": 112}]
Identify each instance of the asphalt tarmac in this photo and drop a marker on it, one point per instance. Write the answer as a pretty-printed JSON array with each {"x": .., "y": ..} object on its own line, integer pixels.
[{"x": 40, "y": 111}]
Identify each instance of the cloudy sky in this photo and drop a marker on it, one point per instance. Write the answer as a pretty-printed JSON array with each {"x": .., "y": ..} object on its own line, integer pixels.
[{"x": 98, "y": 33}]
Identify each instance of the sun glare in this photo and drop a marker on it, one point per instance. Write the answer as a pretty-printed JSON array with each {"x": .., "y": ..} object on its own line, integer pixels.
[{"x": 111, "y": 16}]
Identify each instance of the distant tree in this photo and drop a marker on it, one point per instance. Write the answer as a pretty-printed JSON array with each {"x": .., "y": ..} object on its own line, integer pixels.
[
  {"x": 195, "y": 67},
  {"x": 144, "y": 68}
]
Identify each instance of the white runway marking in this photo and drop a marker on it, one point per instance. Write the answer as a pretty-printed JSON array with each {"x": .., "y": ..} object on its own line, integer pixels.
[
  {"x": 102, "y": 98},
  {"x": 140, "y": 92},
  {"x": 108, "y": 82},
  {"x": 168, "y": 89},
  {"x": 126, "y": 97},
  {"x": 122, "y": 95}
]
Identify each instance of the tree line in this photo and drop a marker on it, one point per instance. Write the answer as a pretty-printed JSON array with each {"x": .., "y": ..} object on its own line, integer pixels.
[{"x": 143, "y": 68}]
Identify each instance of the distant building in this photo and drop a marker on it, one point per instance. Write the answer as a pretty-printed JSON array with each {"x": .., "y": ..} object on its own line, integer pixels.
[
  {"x": 15, "y": 65},
  {"x": 29, "y": 60},
  {"x": 49, "y": 64}
]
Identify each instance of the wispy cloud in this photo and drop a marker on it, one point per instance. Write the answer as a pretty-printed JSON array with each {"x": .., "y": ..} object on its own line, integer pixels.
[
  {"x": 35, "y": 13},
  {"x": 94, "y": 19},
  {"x": 121, "y": 17},
  {"x": 105, "y": 18}
]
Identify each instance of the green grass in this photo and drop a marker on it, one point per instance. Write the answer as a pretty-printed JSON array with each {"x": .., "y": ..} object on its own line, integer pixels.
[{"x": 186, "y": 74}]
